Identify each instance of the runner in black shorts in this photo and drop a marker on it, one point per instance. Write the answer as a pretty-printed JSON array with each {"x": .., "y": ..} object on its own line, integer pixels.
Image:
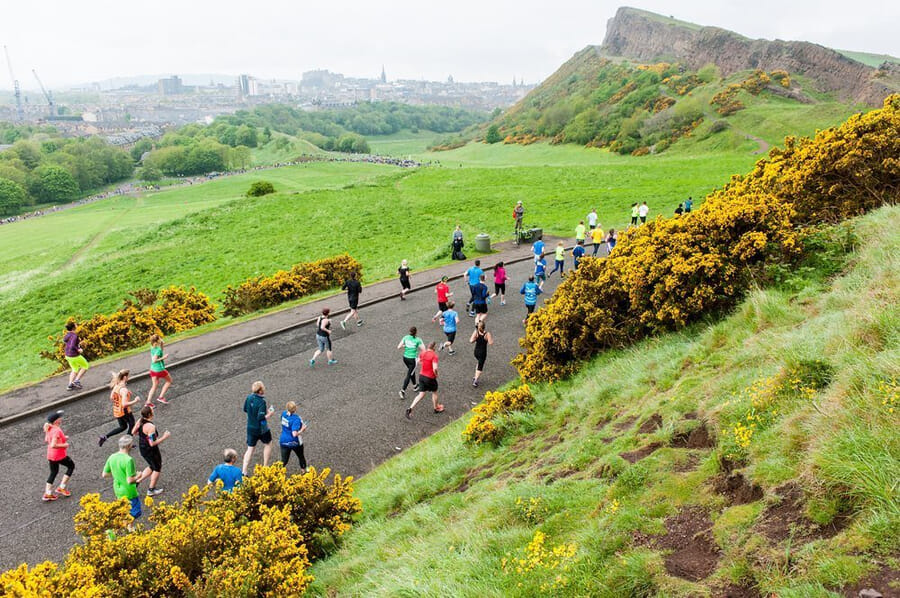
[
  {"x": 258, "y": 414},
  {"x": 148, "y": 442},
  {"x": 405, "y": 286},
  {"x": 353, "y": 289},
  {"x": 323, "y": 338},
  {"x": 482, "y": 339}
]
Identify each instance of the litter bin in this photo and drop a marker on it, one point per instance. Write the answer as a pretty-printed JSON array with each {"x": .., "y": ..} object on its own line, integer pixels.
[
  {"x": 536, "y": 233},
  {"x": 483, "y": 243}
]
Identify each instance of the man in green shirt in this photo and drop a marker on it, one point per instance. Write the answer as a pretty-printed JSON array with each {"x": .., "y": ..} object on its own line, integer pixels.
[
  {"x": 121, "y": 467},
  {"x": 580, "y": 232},
  {"x": 634, "y": 214},
  {"x": 412, "y": 345}
]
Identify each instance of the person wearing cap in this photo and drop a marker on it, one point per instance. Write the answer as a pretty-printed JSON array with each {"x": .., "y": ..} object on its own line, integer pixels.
[
  {"x": 121, "y": 467},
  {"x": 57, "y": 454}
]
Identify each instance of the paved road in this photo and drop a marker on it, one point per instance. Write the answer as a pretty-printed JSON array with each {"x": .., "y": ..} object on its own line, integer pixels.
[{"x": 354, "y": 414}]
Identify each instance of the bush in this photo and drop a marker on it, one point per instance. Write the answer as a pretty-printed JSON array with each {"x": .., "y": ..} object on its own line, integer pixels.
[
  {"x": 131, "y": 325},
  {"x": 285, "y": 285},
  {"x": 482, "y": 427},
  {"x": 260, "y": 188},
  {"x": 12, "y": 197},
  {"x": 493, "y": 135}
]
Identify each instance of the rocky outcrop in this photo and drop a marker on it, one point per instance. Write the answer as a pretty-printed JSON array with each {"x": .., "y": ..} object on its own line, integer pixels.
[{"x": 648, "y": 37}]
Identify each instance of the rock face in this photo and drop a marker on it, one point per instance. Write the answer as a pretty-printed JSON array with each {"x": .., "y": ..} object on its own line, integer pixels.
[{"x": 648, "y": 37}]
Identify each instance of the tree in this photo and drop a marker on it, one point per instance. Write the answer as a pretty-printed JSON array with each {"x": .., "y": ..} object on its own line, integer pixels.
[
  {"x": 149, "y": 174},
  {"x": 52, "y": 184},
  {"x": 240, "y": 156},
  {"x": 266, "y": 135},
  {"x": 493, "y": 134},
  {"x": 246, "y": 136},
  {"x": 12, "y": 197},
  {"x": 140, "y": 148}
]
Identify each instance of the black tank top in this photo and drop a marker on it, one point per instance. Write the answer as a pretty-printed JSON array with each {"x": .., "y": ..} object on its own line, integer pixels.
[
  {"x": 480, "y": 344},
  {"x": 144, "y": 439},
  {"x": 320, "y": 330}
]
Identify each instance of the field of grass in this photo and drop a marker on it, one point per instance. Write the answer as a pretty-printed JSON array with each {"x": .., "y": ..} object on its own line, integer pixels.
[
  {"x": 601, "y": 465},
  {"x": 270, "y": 153},
  {"x": 402, "y": 144},
  {"x": 867, "y": 58}
]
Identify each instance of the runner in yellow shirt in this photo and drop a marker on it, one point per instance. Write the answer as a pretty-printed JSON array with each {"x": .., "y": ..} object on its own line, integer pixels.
[{"x": 597, "y": 238}]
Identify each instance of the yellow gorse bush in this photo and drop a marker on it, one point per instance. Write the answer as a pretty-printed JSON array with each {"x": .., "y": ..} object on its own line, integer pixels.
[
  {"x": 285, "y": 285},
  {"x": 671, "y": 272},
  {"x": 481, "y": 427}
]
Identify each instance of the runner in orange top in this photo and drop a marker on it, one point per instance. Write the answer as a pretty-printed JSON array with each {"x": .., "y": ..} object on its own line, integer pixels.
[{"x": 122, "y": 402}]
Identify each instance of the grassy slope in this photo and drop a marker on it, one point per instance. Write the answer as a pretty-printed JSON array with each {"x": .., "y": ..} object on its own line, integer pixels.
[
  {"x": 867, "y": 58},
  {"x": 439, "y": 519},
  {"x": 402, "y": 144}
]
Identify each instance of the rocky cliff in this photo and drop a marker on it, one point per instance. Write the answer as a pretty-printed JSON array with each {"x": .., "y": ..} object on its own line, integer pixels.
[{"x": 648, "y": 37}]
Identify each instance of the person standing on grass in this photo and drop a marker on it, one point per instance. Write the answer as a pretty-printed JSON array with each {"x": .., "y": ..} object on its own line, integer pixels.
[
  {"x": 412, "y": 345},
  {"x": 443, "y": 296},
  {"x": 353, "y": 288},
  {"x": 122, "y": 402},
  {"x": 482, "y": 339},
  {"x": 57, "y": 455},
  {"x": 450, "y": 323},
  {"x": 403, "y": 272},
  {"x": 500, "y": 282},
  {"x": 611, "y": 240},
  {"x": 577, "y": 254},
  {"x": 531, "y": 290},
  {"x": 158, "y": 370},
  {"x": 227, "y": 471},
  {"x": 518, "y": 215},
  {"x": 427, "y": 381},
  {"x": 291, "y": 440},
  {"x": 592, "y": 219},
  {"x": 597, "y": 238},
  {"x": 74, "y": 356},
  {"x": 580, "y": 231},
  {"x": 480, "y": 297},
  {"x": 148, "y": 445},
  {"x": 688, "y": 205},
  {"x": 635, "y": 211},
  {"x": 643, "y": 211},
  {"x": 473, "y": 276},
  {"x": 537, "y": 248},
  {"x": 560, "y": 261},
  {"x": 257, "y": 424},
  {"x": 540, "y": 271},
  {"x": 122, "y": 468},
  {"x": 323, "y": 338},
  {"x": 679, "y": 210}
]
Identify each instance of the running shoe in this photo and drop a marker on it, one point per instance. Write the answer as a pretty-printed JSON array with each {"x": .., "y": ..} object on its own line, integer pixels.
[
  {"x": 332, "y": 361},
  {"x": 439, "y": 409},
  {"x": 63, "y": 492},
  {"x": 402, "y": 298},
  {"x": 154, "y": 491},
  {"x": 49, "y": 497},
  {"x": 343, "y": 325},
  {"x": 71, "y": 387},
  {"x": 77, "y": 384},
  {"x": 474, "y": 383},
  {"x": 359, "y": 323},
  {"x": 101, "y": 440},
  {"x": 402, "y": 394},
  {"x": 451, "y": 352},
  {"x": 312, "y": 362},
  {"x": 503, "y": 303},
  {"x": 441, "y": 348},
  {"x": 408, "y": 416},
  {"x": 162, "y": 400}
]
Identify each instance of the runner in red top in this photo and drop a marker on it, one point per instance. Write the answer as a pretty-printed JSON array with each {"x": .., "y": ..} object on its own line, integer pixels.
[
  {"x": 57, "y": 455},
  {"x": 443, "y": 295},
  {"x": 427, "y": 380}
]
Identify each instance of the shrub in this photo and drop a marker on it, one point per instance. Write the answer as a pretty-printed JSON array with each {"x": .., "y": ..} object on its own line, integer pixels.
[
  {"x": 482, "y": 427},
  {"x": 285, "y": 285},
  {"x": 260, "y": 188},
  {"x": 173, "y": 310},
  {"x": 493, "y": 135}
]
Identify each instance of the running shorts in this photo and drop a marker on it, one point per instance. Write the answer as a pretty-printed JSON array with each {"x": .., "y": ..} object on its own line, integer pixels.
[
  {"x": 135, "y": 507},
  {"x": 451, "y": 336},
  {"x": 324, "y": 342},
  {"x": 427, "y": 384},
  {"x": 160, "y": 374},
  {"x": 481, "y": 359},
  {"x": 481, "y": 308},
  {"x": 442, "y": 305},
  {"x": 254, "y": 436},
  {"x": 78, "y": 362},
  {"x": 499, "y": 288},
  {"x": 153, "y": 458},
  {"x": 404, "y": 283},
  {"x": 530, "y": 308},
  {"x": 354, "y": 302}
]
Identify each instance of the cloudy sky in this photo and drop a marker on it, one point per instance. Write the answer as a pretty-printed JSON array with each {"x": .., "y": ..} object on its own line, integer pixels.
[{"x": 90, "y": 40}]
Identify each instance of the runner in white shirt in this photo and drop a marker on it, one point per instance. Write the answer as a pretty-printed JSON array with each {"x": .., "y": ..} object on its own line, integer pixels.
[
  {"x": 643, "y": 211},
  {"x": 592, "y": 219}
]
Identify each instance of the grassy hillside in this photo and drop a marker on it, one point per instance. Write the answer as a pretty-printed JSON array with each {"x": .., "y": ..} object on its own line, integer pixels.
[
  {"x": 873, "y": 60},
  {"x": 640, "y": 476}
]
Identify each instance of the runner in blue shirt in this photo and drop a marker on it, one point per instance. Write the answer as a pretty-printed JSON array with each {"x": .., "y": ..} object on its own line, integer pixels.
[
  {"x": 449, "y": 320},
  {"x": 473, "y": 276},
  {"x": 228, "y": 472},
  {"x": 531, "y": 290},
  {"x": 540, "y": 271},
  {"x": 538, "y": 249},
  {"x": 290, "y": 440},
  {"x": 578, "y": 253},
  {"x": 480, "y": 298}
]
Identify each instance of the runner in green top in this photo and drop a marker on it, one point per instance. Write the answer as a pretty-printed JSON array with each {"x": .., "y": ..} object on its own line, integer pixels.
[
  {"x": 634, "y": 214},
  {"x": 121, "y": 467},
  {"x": 158, "y": 370},
  {"x": 412, "y": 345}
]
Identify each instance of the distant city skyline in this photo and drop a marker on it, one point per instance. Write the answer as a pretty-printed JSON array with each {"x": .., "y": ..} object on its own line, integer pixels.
[{"x": 80, "y": 43}]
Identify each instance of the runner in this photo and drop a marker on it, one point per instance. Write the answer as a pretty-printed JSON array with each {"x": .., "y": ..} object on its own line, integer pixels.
[
  {"x": 443, "y": 295},
  {"x": 518, "y": 215},
  {"x": 540, "y": 271},
  {"x": 597, "y": 239},
  {"x": 74, "y": 356},
  {"x": 57, "y": 454},
  {"x": 257, "y": 424},
  {"x": 643, "y": 211},
  {"x": 611, "y": 240},
  {"x": 227, "y": 471},
  {"x": 531, "y": 290},
  {"x": 560, "y": 261},
  {"x": 290, "y": 440},
  {"x": 427, "y": 381},
  {"x": 148, "y": 444},
  {"x": 500, "y": 282},
  {"x": 592, "y": 219},
  {"x": 537, "y": 248},
  {"x": 480, "y": 297},
  {"x": 634, "y": 214},
  {"x": 121, "y": 467},
  {"x": 158, "y": 370},
  {"x": 449, "y": 322},
  {"x": 688, "y": 205},
  {"x": 577, "y": 254},
  {"x": 403, "y": 271},
  {"x": 353, "y": 288},
  {"x": 473, "y": 276},
  {"x": 482, "y": 339},
  {"x": 412, "y": 345},
  {"x": 323, "y": 339},
  {"x": 580, "y": 231},
  {"x": 122, "y": 402}
]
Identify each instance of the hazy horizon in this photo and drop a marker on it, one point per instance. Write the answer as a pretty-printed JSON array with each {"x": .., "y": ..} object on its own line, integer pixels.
[{"x": 86, "y": 42}]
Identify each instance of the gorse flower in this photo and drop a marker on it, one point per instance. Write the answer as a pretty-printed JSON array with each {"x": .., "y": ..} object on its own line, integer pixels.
[
  {"x": 481, "y": 428},
  {"x": 542, "y": 562}
]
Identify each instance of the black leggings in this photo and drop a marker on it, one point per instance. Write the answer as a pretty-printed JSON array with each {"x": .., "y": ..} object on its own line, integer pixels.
[
  {"x": 54, "y": 468},
  {"x": 286, "y": 454},
  {"x": 126, "y": 422},
  {"x": 410, "y": 372}
]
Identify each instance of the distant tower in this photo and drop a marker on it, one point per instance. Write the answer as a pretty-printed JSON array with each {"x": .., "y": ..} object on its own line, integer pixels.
[
  {"x": 450, "y": 79},
  {"x": 514, "y": 81},
  {"x": 383, "y": 75}
]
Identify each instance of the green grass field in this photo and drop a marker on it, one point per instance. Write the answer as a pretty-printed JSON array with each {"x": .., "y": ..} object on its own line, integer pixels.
[
  {"x": 402, "y": 144},
  {"x": 440, "y": 519}
]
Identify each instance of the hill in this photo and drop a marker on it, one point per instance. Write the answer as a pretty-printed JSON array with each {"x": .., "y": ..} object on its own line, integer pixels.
[{"x": 626, "y": 480}]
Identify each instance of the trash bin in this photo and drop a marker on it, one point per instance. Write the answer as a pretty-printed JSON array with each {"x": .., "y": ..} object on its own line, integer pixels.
[
  {"x": 536, "y": 233},
  {"x": 483, "y": 243}
]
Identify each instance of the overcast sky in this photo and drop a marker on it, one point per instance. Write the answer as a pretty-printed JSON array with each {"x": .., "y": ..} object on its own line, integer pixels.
[{"x": 474, "y": 40}]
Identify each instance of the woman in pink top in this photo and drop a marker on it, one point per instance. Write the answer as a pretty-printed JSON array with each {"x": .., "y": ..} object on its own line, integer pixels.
[
  {"x": 500, "y": 282},
  {"x": 57, "y": 454}
]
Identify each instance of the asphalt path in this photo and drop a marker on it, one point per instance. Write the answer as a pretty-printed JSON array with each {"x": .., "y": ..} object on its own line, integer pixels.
[{"x": 355, "y": 416}]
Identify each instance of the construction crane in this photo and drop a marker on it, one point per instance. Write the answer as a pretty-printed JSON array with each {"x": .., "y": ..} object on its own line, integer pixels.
[
  {"x": 47, "y": 94},
  {"x": 20, "y": 113}
]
